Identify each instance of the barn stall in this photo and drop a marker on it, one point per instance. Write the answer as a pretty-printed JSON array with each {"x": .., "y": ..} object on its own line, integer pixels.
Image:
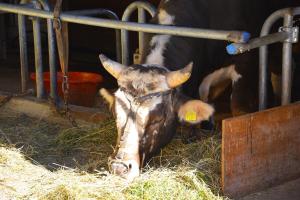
[{"x": 71, "y": 162}]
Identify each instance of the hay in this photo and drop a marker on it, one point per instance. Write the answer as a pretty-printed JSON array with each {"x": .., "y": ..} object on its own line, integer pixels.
[{"x": 77, "y": 159}]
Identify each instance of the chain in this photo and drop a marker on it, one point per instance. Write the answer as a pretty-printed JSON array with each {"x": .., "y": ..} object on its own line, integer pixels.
[
  {"x": 65, "y": 111},
  {"x": 65, "y": 89},
  {"x": 61, "y": 30}
]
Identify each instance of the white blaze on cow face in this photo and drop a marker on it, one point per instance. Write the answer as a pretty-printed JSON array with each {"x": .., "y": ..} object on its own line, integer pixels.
[
  {"x": 159, "y": 42},
  {"x": 125, "y": 107},
  {"x": 132, "y": 117}
]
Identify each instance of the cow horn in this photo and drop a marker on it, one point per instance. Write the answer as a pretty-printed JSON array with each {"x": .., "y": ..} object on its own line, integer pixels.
[
  {"x": 176, "y": 78},
  {"x": 114, "y": 68}
]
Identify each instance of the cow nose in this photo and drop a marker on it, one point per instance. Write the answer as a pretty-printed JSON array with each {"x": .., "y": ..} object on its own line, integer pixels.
[{"x": 119, "y": 168}]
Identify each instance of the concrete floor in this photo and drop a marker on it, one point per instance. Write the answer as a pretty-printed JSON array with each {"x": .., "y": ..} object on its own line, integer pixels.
[{"x": 287, "y": 191}]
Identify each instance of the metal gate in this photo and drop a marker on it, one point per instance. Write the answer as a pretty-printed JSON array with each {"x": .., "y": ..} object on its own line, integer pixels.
[{"x": 40, "y": 9}]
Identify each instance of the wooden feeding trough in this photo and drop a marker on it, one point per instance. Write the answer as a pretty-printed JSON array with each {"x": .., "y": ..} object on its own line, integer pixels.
[{"x": 260, "y": 150}]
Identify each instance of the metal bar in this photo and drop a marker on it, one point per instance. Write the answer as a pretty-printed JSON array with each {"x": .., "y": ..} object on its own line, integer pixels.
[
  {"x": 108, "y": 13},
  {"x": 23, "y": 52},
  {"x": 287, "y": 64},
  {"x": 233, "y": 36},
  {"x": 52, "y": 53},
  {"x": 140, "y": 6},
  {"x": 141, "y": 19},
  {"x": 238, "y": 48},
  {"x": 23, "y": 47},
  {"x": 92, "y": 12},
  {"x": 263, "y": 52},
  {"x": 3, "y": 54},
  {"x": 118, "y": 46},
  {"x": 263, "y": 55},
  {"x": 38, "y": 54}
]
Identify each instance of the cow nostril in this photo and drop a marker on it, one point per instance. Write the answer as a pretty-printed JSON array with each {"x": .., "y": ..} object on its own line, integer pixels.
[
  {"x": 129, "y": 166},
  {"x": 119, "y": 168}
]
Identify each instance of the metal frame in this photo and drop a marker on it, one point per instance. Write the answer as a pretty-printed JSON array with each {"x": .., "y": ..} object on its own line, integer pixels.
[
  {"x": 287, "y": 35},
  {"x": 73, "y": 17},
  {"x": 108, "y": 13},
  {"x": 3, "y": 53},
  {"x": 141, "y": 6},
  {"x": 233, "y": 36},
  {"x": 37, "y": 4},
  {"x": 43, "y": 4},
  {"x": 287, "y": 14}
]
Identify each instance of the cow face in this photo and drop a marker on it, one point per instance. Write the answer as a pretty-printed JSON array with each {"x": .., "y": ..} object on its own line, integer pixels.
[{"x": 146, "y": 107}]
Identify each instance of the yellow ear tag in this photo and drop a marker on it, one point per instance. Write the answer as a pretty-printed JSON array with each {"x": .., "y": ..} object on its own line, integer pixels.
[{"x": 191, "y": 116}]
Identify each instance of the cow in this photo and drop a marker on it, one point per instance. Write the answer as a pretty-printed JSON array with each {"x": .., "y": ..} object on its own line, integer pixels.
[
  {"x": 155, "y": 96},
  {"x": 147, "y": 106}
]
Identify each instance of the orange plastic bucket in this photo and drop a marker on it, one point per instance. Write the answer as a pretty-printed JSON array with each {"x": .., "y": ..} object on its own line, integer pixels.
[{"x": 83, "y": 86}]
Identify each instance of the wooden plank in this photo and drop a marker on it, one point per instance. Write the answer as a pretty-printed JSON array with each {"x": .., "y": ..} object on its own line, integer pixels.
[
  {"x": 260, "y": 150},
  {"x": 43, "y": 110}
]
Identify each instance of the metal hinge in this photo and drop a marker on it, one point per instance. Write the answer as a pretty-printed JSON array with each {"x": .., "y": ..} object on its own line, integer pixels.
[{"x": 292, "y": 31}]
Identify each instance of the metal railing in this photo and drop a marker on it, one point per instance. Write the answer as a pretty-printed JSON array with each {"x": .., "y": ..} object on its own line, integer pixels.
[
  {"x": 108, "y": 13},
  {"x": 3, "y": 52},
  {"x": 43, "y": 4},
  {"x": 287, "y": 35},
  {"x": 40, "y": 9},
  {"x": 37, "y": 4},
  {"x": 141, "y": 7},
  {"x": 233, "y": 36},
  {"x": 76, "y": 17}
]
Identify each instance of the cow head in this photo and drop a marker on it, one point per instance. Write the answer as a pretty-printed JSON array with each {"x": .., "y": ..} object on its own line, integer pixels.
[{"x": 148, "y": 105}]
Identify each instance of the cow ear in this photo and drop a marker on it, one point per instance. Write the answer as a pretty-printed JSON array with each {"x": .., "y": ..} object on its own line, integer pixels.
[
  {"x": 195, "y": 111},
  {"x": 108, "y": 97}
]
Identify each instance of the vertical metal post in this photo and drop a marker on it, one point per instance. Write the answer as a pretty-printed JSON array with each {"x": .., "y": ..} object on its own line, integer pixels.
[
  {"x": 52, "y": 53},
  {"x": 141, "y": 19},
  {"x": 263, "y": 57},
  {"x": 2, "y": 38},
  {"x": 52, "y": 60},
  {"x": 23, "y": 52},
  {"x": 141, "y": 6},
  {"x": 38, "y": 54},
  {"x": 124, "y": 47},
  {"x": 263, "y": 63},
  {"x": 287, "y": 63},
  {"x": 118, "y": 46}
]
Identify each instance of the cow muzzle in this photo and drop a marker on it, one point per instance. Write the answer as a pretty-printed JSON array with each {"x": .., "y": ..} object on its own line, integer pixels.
[
  {"x": 128, "y": 169},
  {"x": 119, "y": 168}
]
